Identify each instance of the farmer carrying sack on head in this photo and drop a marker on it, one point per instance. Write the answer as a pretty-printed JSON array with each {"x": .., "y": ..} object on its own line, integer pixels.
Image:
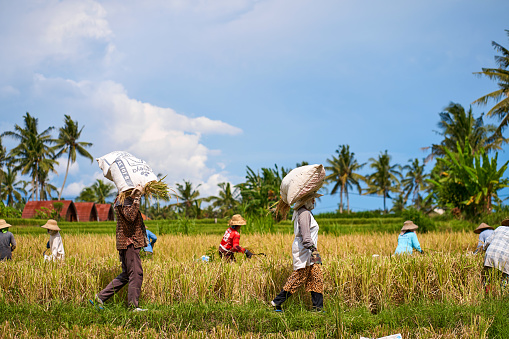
[{"x": 300, "y": 187}]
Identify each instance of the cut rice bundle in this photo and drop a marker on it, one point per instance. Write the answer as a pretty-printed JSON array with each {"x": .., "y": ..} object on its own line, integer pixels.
[{"x": 156, "y": 188}]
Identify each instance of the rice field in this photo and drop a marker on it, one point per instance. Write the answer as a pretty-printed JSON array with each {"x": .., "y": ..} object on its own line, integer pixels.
[{"x": 360, "y": 272}]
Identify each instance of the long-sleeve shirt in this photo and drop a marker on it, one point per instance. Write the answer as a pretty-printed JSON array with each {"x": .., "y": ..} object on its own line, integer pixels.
[
  {"x": 130, "y": 226},
  {"x": 7, "y": 245},
  {"x": 483, "y": 236},
  {"x": 231, "y": 240},
  {"x": 497, "y": 249},
  {"x": 407, "y": 242},
  {"x": 152, "y": 238},
  {"x": 57, "y": 246},
  {"x": 305, "y": 229}
]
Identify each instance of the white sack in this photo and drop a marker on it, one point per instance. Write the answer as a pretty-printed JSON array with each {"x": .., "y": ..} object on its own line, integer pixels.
[
  {"x": 125, "y": 170},
  {"x": 107, "y": 160},
  {"x": 301, "y": 181}
]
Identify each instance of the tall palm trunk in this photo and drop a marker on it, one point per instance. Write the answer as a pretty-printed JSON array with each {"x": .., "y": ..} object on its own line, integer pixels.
[
  {"x": 347, "y": 200},
  {"x": 341, "y": 200},
  {"x": 65, "y": 177}
]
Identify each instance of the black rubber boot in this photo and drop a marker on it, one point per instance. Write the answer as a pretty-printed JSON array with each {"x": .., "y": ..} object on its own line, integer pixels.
[
  {"x": 317, "y": 299},
  {"x": 279, "y": 299}
]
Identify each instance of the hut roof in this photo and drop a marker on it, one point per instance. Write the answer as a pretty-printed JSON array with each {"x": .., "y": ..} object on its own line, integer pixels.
[
  {"x": 68, "y": 212},
  {"x": 86, "y": 211},
  {"x": 105, "y": 212}
]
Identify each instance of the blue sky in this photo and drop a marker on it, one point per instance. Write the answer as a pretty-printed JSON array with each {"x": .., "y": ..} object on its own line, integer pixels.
[{"x": 202, "y": 89}]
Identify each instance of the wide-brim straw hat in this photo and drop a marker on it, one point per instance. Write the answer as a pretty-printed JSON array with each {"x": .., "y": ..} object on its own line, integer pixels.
[
  {"x": 483, "y": 226},
  {"x": 409, "y": 226},
  {"x": 237, "y": 220},
  {"x": 4, "y": 224},
  {"x": 505, "y": 222},
  {"x": 302, "y": 201},
  {"x": 51, "y": 225}
]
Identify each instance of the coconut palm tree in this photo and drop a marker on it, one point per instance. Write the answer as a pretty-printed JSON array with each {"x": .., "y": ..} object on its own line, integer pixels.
[
  {"x": 33, "y": 155},
  {"x": 414, "y": 181},
  {"x": 500, "y": 96},
  {"x": 460, "y": 127},
  {"x": 385, "y": 177},
  {"x": 227, "y": 199},
  {"x": 344, "y": 176},
  {"x": 46, "y": 187},
  {"x": 99, "y": 192},
  {"x": 12, "y": 189},
  {"x": 187, "y": 195},
  {"x": 67, "y": 142}
]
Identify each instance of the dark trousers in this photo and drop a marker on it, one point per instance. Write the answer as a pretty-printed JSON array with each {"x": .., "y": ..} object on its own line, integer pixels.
[
  {"x": 132, "y": 274},
  {"x": 228, "y": 256}
]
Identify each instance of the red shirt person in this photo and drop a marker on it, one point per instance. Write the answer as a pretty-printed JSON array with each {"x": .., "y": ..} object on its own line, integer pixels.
[{"x": 230, "y": 242}]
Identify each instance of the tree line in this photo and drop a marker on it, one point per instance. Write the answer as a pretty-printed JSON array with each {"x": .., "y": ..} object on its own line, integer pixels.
[{"x": 465, "y": 178}]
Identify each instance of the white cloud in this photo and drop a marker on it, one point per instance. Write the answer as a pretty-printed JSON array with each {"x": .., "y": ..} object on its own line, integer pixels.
[
  {"x": 168, "y": 141},
  {"x": 73, "y": 189},
  {"x": 62, "y": 166},
  {"x": 210, "y": 187}
]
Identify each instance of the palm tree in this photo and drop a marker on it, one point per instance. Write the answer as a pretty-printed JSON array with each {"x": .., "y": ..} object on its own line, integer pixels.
[
  {"x": 46, "y": 187},
  {"x": 11, "y": 189},
  {"x": 384, "y": 179},
  {"x": 98, "y": 192},
  {"x": 67, "y": 142},
  {"x": 187, "y": 195},
  {"x": 460, "y": 127},
  {"x": 261, "y": 191},
  {"x": 414, "y": 181},
  {"x": 344, "y": 175},
  {"x": 33, "y": 155},
  {"x": 501, "y": 96},
  {"x": 227, "y": 199},
  {"x": 3, "y": 160}
]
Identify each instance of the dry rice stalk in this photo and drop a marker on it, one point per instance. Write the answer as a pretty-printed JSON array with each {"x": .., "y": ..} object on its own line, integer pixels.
[{"x": 156, "y": 188}]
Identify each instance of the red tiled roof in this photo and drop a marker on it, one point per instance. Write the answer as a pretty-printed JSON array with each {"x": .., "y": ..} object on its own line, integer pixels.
[
  {"x": 86, "y": 211},
  {"x": 68, "y": 212},
  {"x": 105, "y": 212}
]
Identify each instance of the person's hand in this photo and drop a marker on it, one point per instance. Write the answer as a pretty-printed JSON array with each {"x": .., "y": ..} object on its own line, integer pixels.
[
  {"x": 137, "y": 192},
  {"x": 422, "y": 251},
  {"x": 315, "y": 257},
  {"x": 248, "y": 254}
]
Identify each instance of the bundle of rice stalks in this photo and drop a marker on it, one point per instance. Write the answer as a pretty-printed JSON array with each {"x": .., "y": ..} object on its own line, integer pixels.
[{"x": 156, "y": 188}]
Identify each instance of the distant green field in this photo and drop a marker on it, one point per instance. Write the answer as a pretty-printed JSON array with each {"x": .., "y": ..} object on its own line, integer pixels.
[{"x": 334, "y": 226}]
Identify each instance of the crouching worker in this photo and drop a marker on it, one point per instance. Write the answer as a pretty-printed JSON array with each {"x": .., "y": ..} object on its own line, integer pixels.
[
  {"x": 7, "y": 242},
  {"x": 149, "y": 249},
  {"x": 484, "y": 231},
  {"x": 407, "y": 239},
  {"x": 55, "y": 244},
  {"x": 306, "y": 259},
  {"x": 230, "y": 242},
  {"x": 131, "y": 238},
  {"x": 497, "y": 254}
]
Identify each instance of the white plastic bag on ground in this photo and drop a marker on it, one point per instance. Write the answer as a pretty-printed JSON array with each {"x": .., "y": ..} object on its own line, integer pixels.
[
  {"x": 301, "y": 181},
  {"x": 125, "y": 170},
  {"x": 393, "y": 336}
]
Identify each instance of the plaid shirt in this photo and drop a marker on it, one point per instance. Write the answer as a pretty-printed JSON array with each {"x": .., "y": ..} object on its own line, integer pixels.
[
  {"x": 130, "y": 226},
  {"x": 497, "y": 249}
]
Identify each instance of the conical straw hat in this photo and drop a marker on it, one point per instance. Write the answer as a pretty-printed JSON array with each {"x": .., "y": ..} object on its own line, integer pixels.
[
  {"x": 51, "y": 225},
  {"x": 409, "y": 226},
  {"x": 3, "y": 224},
  {"x": 505, "y": 222},
  {"x": 483, "y": 226},
  {"x": 237, "y": 220}
]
